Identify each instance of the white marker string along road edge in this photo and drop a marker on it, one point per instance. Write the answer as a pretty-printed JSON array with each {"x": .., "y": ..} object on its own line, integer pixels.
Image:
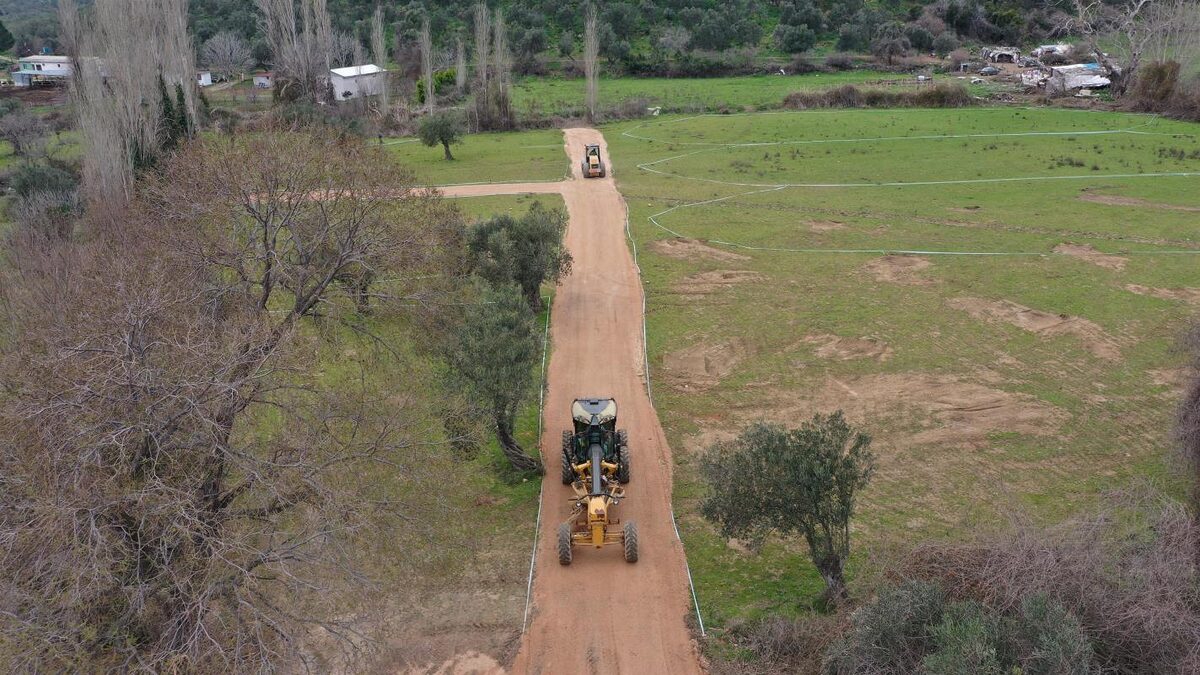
[
  {"x": 650, "y": 395},
  {"x": 772, "y": 187},
  {"x": 537, "y": 526}
]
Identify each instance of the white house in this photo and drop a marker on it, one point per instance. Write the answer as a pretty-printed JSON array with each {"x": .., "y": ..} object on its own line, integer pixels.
[
  {"x": 204, "y": 78},
  {"x": 264, "y": 80},
  {"x": 356, "y": 81},
  {"x": 40, "y": 69}
]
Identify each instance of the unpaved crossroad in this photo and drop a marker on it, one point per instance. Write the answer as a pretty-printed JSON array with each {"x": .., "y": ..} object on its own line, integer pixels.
[{"x": 601, "y": 614}]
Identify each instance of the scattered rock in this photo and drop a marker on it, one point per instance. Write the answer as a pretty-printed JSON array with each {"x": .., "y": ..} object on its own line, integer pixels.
[
  {"x": 1087, "y": 253},
  {"x": 702, "y": 366},
  {"x": 691, "y": 249},
  {"x": 708, "y": 282},
  {"x": 846, "y": 348},
  {"x": 898, "y": 269},
  {"x": 1191, "y": 295},
  {"x": 1093, "y": 337}
]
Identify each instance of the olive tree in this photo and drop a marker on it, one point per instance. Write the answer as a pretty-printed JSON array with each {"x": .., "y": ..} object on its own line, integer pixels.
[
  {"x": 771, "y": 479},
  {"x": 494, "y": 358},
  {"x": 527, "y": 251},
  {"x": 445, "y": 128}
]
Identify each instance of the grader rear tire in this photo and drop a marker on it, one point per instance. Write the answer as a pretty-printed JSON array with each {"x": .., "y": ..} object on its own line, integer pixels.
[
  {"x": 564, "y": 544},
  {"x": 631, "y": 542},
  {"x": 568, "y": 468}
]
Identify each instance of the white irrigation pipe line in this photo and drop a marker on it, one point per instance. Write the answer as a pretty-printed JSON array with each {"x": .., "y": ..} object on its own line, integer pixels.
[
  {"x": 537, "y": 527},
  {"x": 650, "y": 395}
]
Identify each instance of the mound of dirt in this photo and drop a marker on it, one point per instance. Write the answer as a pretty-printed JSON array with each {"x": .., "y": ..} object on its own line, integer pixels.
[
  {"x": 1088, "y": 253},
  {"x": 707, "y": 282},
  {"x": 952, "y": 412},
  {"x": 1093, "y": 337},
  {"x": 1191, "y": 295},
  {"x": 702, "y": 366},
  {"x": 846, "y": 348},
  {"x": 899, "y": 269},
  {"x": 692, "y": 249},
  {"x": 1115, "y": 200},
  {"x": 825, "y": 225}
]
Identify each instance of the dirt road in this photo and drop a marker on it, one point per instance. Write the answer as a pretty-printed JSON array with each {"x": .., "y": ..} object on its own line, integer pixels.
[{"x": 601, "y": 614}]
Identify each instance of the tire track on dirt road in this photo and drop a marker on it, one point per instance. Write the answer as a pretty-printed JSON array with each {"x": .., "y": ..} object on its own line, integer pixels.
[{"x": 601, "y": 614}]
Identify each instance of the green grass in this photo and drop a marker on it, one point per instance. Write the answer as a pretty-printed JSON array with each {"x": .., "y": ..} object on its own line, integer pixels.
[
  {"x": 1106, "y": 422},
  {"x": 486, "y": 158},
  {"x": 558, "y": 96}
]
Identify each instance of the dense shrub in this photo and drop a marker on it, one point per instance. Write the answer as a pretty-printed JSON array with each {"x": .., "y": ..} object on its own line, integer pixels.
[
  {"x": 32, "y": 178},
  {"x": 849, "y": 96},
  {"x": 794, "y": 39},
  {"x": 945, "y": 43},
  {"x": 839, "y": 61}
]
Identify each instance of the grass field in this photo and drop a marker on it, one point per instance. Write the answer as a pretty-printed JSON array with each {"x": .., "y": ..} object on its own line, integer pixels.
[
  {"x": 487, "y": 158},
  {"x": 1026, "y": 379},
  {"x": 557, "y": 96}
]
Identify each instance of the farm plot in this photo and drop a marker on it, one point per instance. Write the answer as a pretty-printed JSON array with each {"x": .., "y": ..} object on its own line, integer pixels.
[{"x": 994, "y": 293}]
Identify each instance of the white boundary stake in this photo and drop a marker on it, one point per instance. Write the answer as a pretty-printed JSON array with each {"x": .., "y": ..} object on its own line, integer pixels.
[
  {"x": 537, "y": 527},
  {"x": 650, "y": 395}
]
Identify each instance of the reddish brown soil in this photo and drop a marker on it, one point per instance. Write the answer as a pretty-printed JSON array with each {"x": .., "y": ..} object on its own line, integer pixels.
[{"x": 602, "y": 614}]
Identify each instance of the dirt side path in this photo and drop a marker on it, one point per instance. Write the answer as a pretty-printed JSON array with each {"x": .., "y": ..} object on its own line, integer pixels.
[{"x": 601, "y": 614}]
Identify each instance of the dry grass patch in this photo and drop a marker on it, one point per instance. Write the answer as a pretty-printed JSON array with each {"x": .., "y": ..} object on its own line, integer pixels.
[
  {"x": 899, "y": 269},
  {"x": 847, "y": 348},
  {"x": 1191, "y": 295},
  {"x": 708, "y": 282},
  {"x": 1089, "y": 254},
  {"x": 702, "y": 366},
  {"x": 1115, "y": 200},
  {"x": 682, "y": 248},
  {"x": 1092, "y": 336}
]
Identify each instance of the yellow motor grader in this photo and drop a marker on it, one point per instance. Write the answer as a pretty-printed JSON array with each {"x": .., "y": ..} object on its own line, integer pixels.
[{"x": 595, "y": 463}]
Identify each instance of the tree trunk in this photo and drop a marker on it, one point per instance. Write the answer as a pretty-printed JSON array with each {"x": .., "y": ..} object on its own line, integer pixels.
[
  {"x": 513, "y": 450},
  {"x": 446, "y": 147},
  {"x": 832, "y": 570}
]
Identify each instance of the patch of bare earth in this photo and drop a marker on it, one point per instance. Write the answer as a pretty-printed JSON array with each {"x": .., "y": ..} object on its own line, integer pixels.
[
  {"x": 1115, "y": 200},
  {"x": 1088, "y": 253},
  {"x": 470, "y": 663},
  {"x": 1191, "y": 295},
  {"x": 899, "y": 269},
  {"x": 692, "y": 249},
  {"x": 702, "y": 366},
  {"x": 848, "y": 348},
  {"x": 825, "y": 225},
  {"x": 945, "y": 410},
  {"x": 1093, "y": 337},
  {"x": 708, "y": 282}
]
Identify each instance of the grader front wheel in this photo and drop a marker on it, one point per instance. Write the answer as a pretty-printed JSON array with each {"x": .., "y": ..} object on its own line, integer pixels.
[
  {"x": 564, "y": 545},
  {"x": 631, "y": 542}
]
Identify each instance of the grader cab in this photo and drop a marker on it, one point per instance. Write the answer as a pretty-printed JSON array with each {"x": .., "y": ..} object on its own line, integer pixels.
[
  {"x": 593, "y": 164},
  {"x": 595, "y": 463}
]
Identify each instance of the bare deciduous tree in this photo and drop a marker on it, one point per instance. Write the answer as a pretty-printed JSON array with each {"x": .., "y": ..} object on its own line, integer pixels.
[
  {"x": 483, "y": 32},
  {"x": 1131, "y": 29},
  {"x": 26, "y": 133},
  {"x": 303, "y": 52},
  {"x": 228, "y": 54},
  {"x": 380, "y": 55},
  {"x": 426, "y": 41},
  {"x": 121, "y": 55},
  {"x": 591, "y": 55},
  {"x": 460, "y": 67},
  {"x": 177, "y": 490}
]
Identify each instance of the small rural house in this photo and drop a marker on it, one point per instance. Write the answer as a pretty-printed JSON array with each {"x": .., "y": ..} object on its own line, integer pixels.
[
  {"x": 1047, "y": 50},
  {"x": 356, "y": 81},
  {"x": 264, "y": 80},
  {"x": 204, "y": 78},
  {"x": 1080, "y": 76},
  {"x": 42, "y": 69}
]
